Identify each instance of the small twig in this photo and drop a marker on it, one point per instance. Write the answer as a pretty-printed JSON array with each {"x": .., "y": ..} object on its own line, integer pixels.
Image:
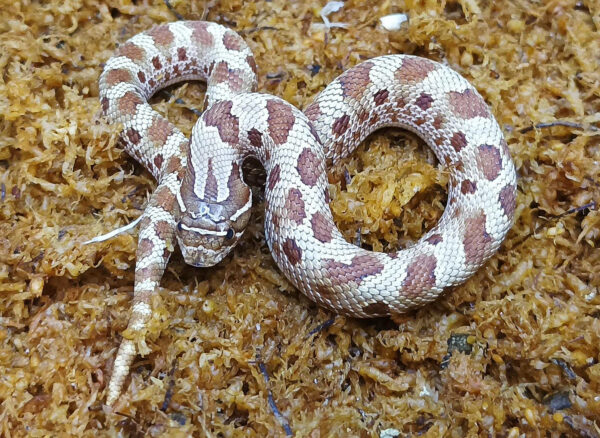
[
  {"x": 170, "y": 387},
  {"x": 323, "y": 326},
  {"x": 591, "y": 205},
  {"x": 272, "y": 405},
  {"x": 256, "y": 29},
  {"x": 557, "y": 123},
  {"x": 173, "y": 11}
]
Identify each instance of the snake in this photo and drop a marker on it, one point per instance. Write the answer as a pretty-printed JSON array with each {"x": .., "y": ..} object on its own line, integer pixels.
[{"x": 202, "y": 203}]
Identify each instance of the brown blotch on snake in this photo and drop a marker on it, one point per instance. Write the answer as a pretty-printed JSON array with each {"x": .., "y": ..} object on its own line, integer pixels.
[
  {"x": 119, "y": 75},
  {"x": 132, "y": 52},
  {"x": 308, "y": 167},
  {"x": 414, "y": 70},
  {"x": 476, "y": 240},
  {"x": 489, "y": 161},
  {"x": 322, "y": 227},
  {"x": 355, "y": 81},
  {"x": 200, "y": 34},
  {"x": 507, "y": 199},
  {"x": 160, "y": 130},
  {"x": 359, "y": 268},
  {"x": 280, "y": 120},
  {"x": 294, "y": 207},
  {"x": 420, "y": 274},
  {"x": 233, "y": 41},
  {"x": 226, "y": 123},
  {"x": 161, "y": 35},
  {"x": 129, "y": 102},
  {"x": 468, "y": 104},
  {"x": 292, "y": 251}
]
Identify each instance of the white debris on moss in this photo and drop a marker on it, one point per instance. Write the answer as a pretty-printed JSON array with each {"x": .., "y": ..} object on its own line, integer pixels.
[{"x": 393, "y": 21}]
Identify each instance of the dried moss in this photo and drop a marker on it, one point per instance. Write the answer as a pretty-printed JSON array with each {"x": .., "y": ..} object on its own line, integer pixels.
[{"x": 531, "y": 315}]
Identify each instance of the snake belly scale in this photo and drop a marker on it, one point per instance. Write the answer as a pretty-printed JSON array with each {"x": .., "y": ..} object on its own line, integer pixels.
[{"x": 202, "y": 203}]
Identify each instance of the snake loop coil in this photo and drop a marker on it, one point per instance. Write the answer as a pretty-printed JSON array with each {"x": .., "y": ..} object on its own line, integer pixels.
[{"x": 202, "y": 202}]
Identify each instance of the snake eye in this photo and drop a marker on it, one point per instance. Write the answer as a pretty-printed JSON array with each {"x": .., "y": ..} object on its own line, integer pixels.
[
  {"x": 230, "y": 234},
  {"x": 179, "y": 227}
]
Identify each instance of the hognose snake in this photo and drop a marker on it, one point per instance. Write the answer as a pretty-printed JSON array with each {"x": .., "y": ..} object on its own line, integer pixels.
[{"x": 202, "y": 202}]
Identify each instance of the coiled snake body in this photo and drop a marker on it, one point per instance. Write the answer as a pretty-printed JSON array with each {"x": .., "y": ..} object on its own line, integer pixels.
[{"x": 202, "y": 201}]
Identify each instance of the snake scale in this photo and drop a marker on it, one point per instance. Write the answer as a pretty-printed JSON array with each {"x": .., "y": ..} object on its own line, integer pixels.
[{"x": 202, "y": 203}]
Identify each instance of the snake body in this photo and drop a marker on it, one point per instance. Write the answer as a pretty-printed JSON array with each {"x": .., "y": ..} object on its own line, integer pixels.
[{"x": 202, "y": 202}]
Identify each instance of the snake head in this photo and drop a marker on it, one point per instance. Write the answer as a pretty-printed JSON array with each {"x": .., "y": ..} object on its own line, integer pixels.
[{"x": 207, "y": 229}]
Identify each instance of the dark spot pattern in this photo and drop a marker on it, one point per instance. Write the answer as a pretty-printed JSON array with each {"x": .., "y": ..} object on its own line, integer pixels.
[
  {"x": 424, "y": 101},
  {"x": 145, "y": 247},
  {"x": 252, "y": 63},
  {"x": 458, "y": 141},
  {"x": 273, "y": 178},
  {"x": 468, "y": 186},
  {"x": 380, "y": 97},
  {"x": 211, "y": 187},
  {"x": 220, "y": 73},
  {"x": 239, "y": 192},
  {"x": 255, "y": 137},
  {"x": 163, "y": 230},
  {"x": 141, "y": 76},
  {"x": 105, "y": 105},
  {"x": 174, "y": 165},
  {"x": 181, "y": 54},
  {"x": 156, "y": 63},
  {"x": 292, "y": 251},
  {"x": 158, "y": 161},
  {"x": 133, "y": 136},
  {"x": 340, "y": 126}
]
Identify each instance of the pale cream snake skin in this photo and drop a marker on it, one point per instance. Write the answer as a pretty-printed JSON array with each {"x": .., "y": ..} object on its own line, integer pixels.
[{"x": 202, "y": 202}]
